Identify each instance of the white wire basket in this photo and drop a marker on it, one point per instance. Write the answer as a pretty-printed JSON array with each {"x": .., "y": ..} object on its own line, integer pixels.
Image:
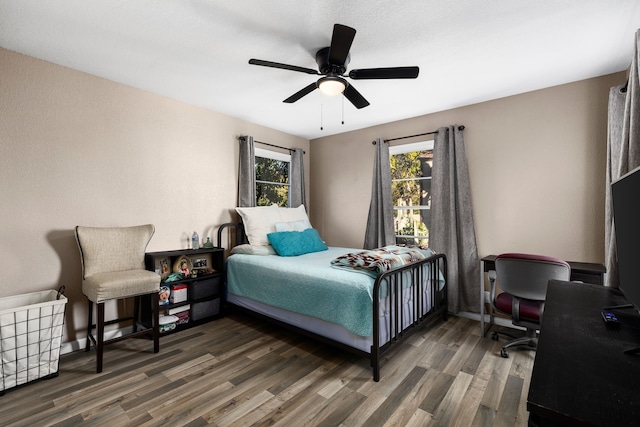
[{"x": 31, "y": 327}]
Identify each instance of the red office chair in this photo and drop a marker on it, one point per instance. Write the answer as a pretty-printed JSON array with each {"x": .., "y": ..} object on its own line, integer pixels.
[{"x": 523, "y": 279}]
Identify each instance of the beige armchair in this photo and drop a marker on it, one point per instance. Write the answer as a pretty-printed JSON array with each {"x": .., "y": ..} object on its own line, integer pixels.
[{"x": 113, "y": 268}]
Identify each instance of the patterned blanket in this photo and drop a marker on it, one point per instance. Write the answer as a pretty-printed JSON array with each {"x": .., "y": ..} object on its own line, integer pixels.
[{"x": 376, "y": 261}]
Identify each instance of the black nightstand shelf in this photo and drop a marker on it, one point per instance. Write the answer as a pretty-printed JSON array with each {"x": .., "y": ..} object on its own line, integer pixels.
[{"x": 194, "y": 299}]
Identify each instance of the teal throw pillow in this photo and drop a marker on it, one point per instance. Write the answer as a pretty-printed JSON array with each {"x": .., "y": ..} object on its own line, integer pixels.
[{"x": 294, "y": 243}]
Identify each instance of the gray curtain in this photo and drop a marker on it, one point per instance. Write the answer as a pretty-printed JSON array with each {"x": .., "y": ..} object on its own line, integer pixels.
[
  {"x": 623, "y": 150},
  {"x": 380, "y": 231},
  {"x": 297, "y": 194},
  {"x": 452, "y": 231},
  {"x": 247, "y": 173}
]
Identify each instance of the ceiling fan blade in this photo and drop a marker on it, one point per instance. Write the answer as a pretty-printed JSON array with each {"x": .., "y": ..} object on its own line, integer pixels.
[
  {"x": 282, "y": 66},
  {"x": 299, "y": 94},
  {"x": 354, "y": 96},
  {"x": 385, "y": 73},
  {"x": 340, "y": 44}
]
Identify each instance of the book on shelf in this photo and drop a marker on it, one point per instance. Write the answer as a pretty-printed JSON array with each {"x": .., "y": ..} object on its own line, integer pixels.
[{"x": 180, "y": 309}]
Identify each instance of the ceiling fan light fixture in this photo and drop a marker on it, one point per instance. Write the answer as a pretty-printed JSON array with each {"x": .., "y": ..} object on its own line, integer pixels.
[{"x": 332, "y": 85}]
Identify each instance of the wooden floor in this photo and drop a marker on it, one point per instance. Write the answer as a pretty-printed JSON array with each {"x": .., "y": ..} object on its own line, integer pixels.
[{"x": 238, "y": 371}]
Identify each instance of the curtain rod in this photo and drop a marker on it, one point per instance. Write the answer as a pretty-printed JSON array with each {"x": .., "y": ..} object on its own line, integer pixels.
[
  {"x": 624, "y": 88},
  {"x": 413, "y": 136},
  {"x": 277, "y": 146}
]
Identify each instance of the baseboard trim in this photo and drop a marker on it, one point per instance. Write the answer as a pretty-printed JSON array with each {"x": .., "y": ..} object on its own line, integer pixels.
[
  {"x": 70, "y": 347},
  {"x": 506, "y": 323},
  {"x": 79, "y": 344}
]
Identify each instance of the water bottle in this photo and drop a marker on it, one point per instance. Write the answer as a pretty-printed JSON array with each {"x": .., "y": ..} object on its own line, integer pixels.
[{"x": 195, "y": 241}]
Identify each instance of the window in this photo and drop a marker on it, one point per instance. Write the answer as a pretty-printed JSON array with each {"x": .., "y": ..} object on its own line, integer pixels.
[
  {"x": 272, "y": 177},
  {"x": 411, "y": 191}
]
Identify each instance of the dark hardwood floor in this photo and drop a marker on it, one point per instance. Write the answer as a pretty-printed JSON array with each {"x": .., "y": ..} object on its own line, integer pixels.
[{"x": 238, "y": 371}]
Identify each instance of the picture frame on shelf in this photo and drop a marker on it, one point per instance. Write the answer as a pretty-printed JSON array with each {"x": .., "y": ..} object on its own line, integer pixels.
[
  {"x": 202, "y": 264},
  {"x": 162, "y": 267},
  {"x": 183, "y": 265}
]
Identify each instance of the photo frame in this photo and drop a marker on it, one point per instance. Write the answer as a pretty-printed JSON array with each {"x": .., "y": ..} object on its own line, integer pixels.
[
  {"x": 200, "y": 263},
  {"x": 183, "y": 265},
  {"x": 162, "y": 267}
]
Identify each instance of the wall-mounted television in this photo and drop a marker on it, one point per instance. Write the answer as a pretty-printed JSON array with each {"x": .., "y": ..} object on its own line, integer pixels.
[{"x": 626, "y": 211}]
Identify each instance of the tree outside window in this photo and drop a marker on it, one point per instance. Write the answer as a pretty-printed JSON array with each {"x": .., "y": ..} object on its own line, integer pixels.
[
  {"x": 411, "y": 191},
  {"x": 272, "y": 177}
]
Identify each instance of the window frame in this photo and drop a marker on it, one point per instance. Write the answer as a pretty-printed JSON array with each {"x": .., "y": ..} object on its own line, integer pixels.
[
  {"x": 273, "y": 155},
  {"x": 426, "y": 145}
]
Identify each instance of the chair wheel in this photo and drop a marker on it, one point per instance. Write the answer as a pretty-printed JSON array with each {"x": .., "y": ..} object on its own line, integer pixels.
[
  {"x": 494, "y": 336},
  {"x": 504, "y": 353}
]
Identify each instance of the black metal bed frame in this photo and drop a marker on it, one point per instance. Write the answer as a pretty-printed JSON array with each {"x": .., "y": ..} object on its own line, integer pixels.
[{"x": 392, "y": 282}]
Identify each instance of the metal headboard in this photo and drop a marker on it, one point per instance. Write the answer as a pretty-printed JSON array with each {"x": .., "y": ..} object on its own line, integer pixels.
[{"x": 239, "y": 235}]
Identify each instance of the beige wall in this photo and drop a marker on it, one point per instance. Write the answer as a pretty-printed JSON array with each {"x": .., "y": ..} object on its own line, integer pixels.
[
  {"x": 536, "y": 163},
  {"x": 77, "y": 149}
]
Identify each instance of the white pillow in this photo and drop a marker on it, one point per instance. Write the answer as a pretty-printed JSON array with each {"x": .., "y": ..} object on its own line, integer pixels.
[
  {"x": 299, "y": 225},
  {"x": 293, "y": 214},
  {"x": 253, "y": 250},
  {"x": 258, "y": 222}
]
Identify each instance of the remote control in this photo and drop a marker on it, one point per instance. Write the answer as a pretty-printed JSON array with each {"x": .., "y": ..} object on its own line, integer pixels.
[{"x": 609, "y": 318}]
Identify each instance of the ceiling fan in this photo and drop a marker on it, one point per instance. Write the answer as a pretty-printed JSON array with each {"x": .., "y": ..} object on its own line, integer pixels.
[{"x": 332, "y": 64}]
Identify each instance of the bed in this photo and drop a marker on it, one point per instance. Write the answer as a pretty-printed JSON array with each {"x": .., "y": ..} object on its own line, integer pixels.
[{"x": 323, "y": 293}]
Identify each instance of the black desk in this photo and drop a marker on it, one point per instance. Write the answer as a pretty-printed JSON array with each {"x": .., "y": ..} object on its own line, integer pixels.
[
  {"x": 586, "y": 272},
  {"x": 581, "y": 375}
]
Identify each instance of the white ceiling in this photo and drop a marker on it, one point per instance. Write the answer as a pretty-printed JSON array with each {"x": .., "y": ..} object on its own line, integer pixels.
[{"x": 197, "y": 51}]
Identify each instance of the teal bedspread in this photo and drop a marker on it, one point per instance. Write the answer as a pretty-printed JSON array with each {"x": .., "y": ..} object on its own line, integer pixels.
[{"x": 310, "y": 286}]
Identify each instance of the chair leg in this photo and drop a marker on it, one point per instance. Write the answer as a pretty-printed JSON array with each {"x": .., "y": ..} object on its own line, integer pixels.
[
  {"x": 530, "y": 340},
  {"x": 155, "y": 302},
  {"x": 136, "y": 315},
  {"x": 100, "y": 336},
  {"x": 89, "y": 326},
  {"x": 496, "y": 334}
]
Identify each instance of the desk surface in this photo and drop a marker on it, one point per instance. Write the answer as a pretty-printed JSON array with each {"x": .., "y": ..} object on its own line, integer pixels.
[
  {"x": 591, "y": 267},
  {"x": 581, "y": 375}
]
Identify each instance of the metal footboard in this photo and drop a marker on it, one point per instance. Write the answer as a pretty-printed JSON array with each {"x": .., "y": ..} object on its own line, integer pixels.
[{"x": 413, "y": 282}]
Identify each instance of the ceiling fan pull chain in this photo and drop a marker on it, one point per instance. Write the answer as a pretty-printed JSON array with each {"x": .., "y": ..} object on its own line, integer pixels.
[
  {"x": 321, "y": 121},
  {"x": 343, "y": 110}
]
